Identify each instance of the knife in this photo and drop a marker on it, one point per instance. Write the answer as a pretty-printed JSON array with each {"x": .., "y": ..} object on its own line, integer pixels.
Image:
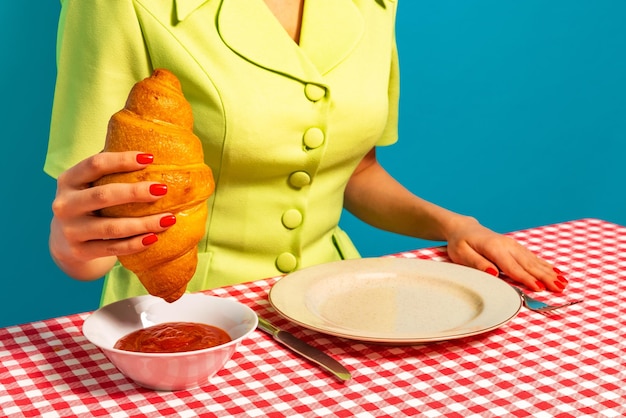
[{"x": 305, "y": 350}]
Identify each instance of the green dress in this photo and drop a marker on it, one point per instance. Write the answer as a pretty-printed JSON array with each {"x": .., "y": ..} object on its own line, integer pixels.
[{"x": 283, "y": 124}]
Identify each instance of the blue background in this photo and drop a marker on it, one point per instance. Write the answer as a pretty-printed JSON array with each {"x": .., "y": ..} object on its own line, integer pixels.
[{"x": 511, "y": 111}]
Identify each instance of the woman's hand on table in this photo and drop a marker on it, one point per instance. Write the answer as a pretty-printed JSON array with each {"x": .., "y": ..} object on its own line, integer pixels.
[
  {"x": 378, "y": 199},
  {"x": 476, "y": 246},
  {"x": 86, "y": 246}
]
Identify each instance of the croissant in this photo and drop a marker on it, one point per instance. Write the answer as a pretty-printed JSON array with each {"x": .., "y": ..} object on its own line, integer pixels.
[{"x": 158, "y": 119}]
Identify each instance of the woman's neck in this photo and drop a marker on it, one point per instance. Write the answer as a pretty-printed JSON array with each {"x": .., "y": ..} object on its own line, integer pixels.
[{"x": 289, "y": 14}]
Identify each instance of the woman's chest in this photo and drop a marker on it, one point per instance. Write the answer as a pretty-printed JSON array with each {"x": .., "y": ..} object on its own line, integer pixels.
[{"x": 257, "y": 95}]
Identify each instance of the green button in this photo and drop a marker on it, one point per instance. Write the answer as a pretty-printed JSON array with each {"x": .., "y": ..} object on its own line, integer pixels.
[
  {"x": 313, "y": 138},
  {"x": 313, "y": 92},
  {"x": 286, "y": 262},
  {"x": 292, "y": 218},
  {"x": 299, "y": 179}
]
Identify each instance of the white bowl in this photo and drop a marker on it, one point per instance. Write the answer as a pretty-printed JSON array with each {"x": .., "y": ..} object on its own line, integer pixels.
[{"x": 169, "y": 371}]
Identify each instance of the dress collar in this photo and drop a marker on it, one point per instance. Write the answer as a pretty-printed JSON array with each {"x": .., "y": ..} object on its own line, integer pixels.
[
  {"x": 330, "y": 30},
  {"x": 185, "y": 7}
]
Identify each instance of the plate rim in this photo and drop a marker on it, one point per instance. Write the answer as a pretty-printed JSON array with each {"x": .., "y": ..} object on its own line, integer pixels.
[{"x": 404, "y": 340}]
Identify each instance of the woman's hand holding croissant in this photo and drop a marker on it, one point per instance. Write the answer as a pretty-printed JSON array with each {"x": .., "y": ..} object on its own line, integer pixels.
[{"x": 85, "y": 245}]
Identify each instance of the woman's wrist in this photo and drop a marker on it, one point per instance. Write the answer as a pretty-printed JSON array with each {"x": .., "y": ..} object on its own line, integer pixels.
[
  {"x": 84, "y": 270},
  {"x": 451, "y": 224}
]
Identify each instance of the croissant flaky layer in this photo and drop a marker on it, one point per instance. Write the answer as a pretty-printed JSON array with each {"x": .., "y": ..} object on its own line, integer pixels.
[{"x": 157, "y": 119}]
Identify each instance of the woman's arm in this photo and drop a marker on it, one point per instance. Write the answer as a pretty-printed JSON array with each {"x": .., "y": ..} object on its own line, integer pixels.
[{"x": 375, "y": 197}]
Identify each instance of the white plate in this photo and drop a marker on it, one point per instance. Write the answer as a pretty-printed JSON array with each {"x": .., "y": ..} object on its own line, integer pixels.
[{"x": 395, "y": 300}]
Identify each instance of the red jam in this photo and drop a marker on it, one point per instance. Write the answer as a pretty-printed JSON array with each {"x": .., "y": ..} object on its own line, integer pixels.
[{"x": 173, "y": 337}]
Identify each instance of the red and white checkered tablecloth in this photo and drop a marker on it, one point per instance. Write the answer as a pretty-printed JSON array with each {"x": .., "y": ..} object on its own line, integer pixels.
[{"x": 568, "y": 365}]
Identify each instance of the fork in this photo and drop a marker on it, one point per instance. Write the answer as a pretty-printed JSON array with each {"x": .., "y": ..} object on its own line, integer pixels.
[{"x": 541, "y": 307}]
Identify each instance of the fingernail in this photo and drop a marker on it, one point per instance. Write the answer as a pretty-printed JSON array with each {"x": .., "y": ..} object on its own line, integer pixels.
[
  {"x": 540, "y": 285},
  {"x": 492, "y": 271},
  {"x": 167, "y": 221},
  {"x": 560, "y": 285},
  {"x": 149, "y": 239},
  {"x": 562, "y": 279},
  {"x": 145, "y": 158},
  {"x": 158, "y": 189}
]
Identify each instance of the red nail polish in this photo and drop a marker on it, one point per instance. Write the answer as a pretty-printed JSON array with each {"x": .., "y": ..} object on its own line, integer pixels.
[
  {"x": 562, "y": 279},
  {"x": 540, "y": 285},
  {"x": 560, "y": 285},
  {"x": 492, "y": 271},
  {"x": 167, "y": 221},
  {"x": 158, "y": 189},
  {"x": 145, "y": 158},
  {"x": 149, "y": 239}
]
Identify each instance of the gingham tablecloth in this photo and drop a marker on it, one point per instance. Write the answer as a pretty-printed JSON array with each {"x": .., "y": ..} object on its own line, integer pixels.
[{"x": 569, "y": 365}]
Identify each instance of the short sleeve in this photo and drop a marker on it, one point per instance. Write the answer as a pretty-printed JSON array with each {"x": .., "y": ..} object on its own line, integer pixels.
[
  {"x": 390, "y": 134},
  {"x": 100, "y": 55}
]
